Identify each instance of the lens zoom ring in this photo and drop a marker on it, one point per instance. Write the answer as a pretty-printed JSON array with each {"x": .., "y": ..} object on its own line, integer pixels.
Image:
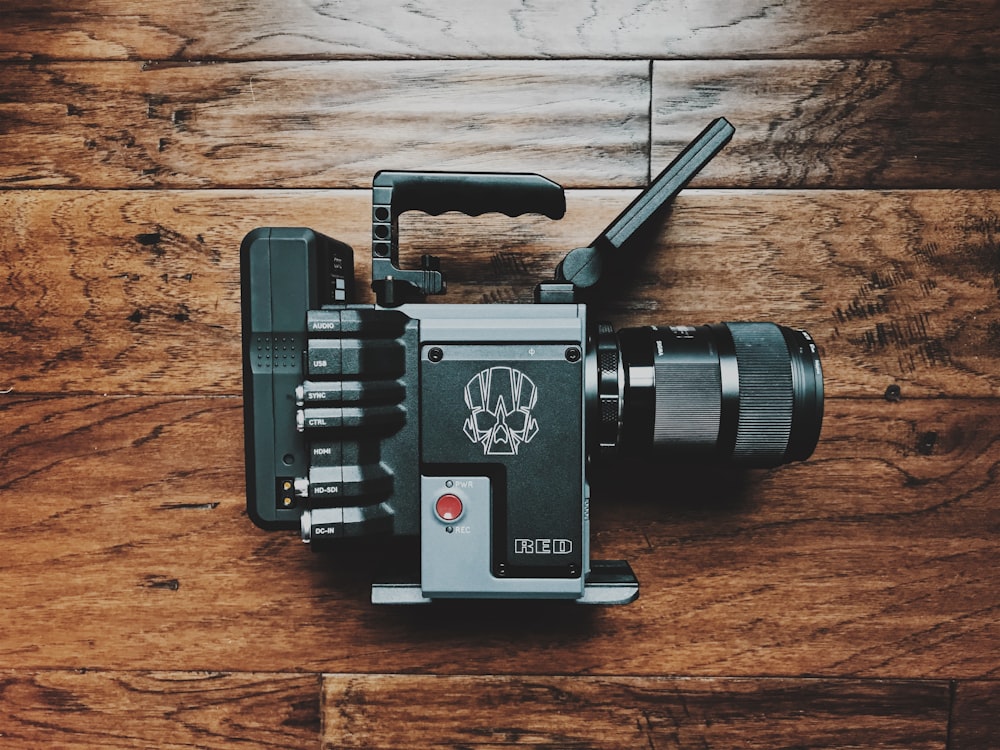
[{"x": 765, "y": 420}]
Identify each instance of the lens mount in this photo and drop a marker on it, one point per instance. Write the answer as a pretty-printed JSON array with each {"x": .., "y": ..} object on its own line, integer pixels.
[{"x": 604, "y": 395}]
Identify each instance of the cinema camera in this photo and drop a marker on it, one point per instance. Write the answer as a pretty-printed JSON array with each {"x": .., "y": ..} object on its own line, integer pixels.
[{"x": 475, "y": 428}]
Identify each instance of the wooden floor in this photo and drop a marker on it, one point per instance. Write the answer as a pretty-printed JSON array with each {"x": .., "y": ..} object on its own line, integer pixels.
[{"x": 851, "y": 601}]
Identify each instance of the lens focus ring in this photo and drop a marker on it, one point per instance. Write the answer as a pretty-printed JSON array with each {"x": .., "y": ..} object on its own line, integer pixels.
[{"x": 766, "y": 397}]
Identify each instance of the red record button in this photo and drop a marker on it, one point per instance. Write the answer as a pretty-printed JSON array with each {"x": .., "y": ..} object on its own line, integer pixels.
[{"x": 448, "y": 507}]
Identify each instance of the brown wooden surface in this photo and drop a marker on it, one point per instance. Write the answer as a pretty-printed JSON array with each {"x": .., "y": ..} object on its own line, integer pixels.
[
  {"x": 127, "y": 277},
  {"x": 848, "y": 601},
  {"x": 133, "y": 508},
  {"x": 835, "y": 123},
  {"x": 156, "y": 709},
  {"x": 584, "y": 123},
  {"x": 189, "y": 29},
  {"x": 976, "y": 715},
  {"x": 321, "y": 123},
  {"x": 376, "y": 711}
]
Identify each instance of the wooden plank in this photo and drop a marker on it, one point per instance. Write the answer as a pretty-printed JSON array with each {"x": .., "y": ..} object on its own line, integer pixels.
[
  {"x": 168, "y": 710},
  {"x": 377, "y": 711},
  {"x": 320, "y": 124},
  {"x": 138, "y": 291},
  {"x": 827, "y": 123},
  {"x": 835, "y": 123},
  {"x": 126, "y": 547},
  {"x": 975, "y": 719},
  {"x": 129, "y": 29}
]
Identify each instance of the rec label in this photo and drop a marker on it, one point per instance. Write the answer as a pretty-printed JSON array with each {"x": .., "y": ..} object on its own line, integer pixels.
[{"x": 543, "y": 546}]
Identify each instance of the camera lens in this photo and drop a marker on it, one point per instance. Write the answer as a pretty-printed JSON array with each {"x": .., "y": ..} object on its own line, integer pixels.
[{"x": 749, "y": 393}]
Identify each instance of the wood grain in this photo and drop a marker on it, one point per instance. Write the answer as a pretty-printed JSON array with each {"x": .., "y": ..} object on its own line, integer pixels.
[
  {"x": 377, "y": 711},
  {"x": 129, "y": 29},
  {"x": 127, "y": 548},
  {"x": 832, "y": 124},
  {"x": 975, "y": 721},
  {"x": 849, "y": 601},
  {"x": 167, "y": 710},
  {"x": 138, "y": 291},
  {"x": 835, "y": 123},
  {"x": 320, "y": 124}
]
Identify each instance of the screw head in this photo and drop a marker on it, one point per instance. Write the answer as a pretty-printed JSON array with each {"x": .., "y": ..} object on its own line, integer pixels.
[
  {"x": 435, "y": 354},
  {"x": 573, "y": 354}
]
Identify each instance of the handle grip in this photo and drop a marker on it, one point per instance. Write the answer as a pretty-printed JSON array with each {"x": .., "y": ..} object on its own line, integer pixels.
[{"x": 471, "y": 193}]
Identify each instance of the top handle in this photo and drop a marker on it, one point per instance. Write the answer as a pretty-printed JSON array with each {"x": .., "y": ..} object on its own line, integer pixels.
[{"x": 471, "y": 193}]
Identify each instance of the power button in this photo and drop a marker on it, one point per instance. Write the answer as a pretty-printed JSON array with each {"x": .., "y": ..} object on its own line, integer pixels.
[{"x": 448, "y": 507}]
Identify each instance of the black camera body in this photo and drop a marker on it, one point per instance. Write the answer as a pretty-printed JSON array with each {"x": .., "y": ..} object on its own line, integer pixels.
[{"x": 473, "y": 428}]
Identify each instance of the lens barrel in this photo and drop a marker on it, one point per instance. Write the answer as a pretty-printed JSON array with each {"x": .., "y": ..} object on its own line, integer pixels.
[{"x": 748, "y": 393}]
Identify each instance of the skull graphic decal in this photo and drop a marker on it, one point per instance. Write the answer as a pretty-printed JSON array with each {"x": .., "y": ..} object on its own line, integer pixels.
[{"x": 501, "y": 400}]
